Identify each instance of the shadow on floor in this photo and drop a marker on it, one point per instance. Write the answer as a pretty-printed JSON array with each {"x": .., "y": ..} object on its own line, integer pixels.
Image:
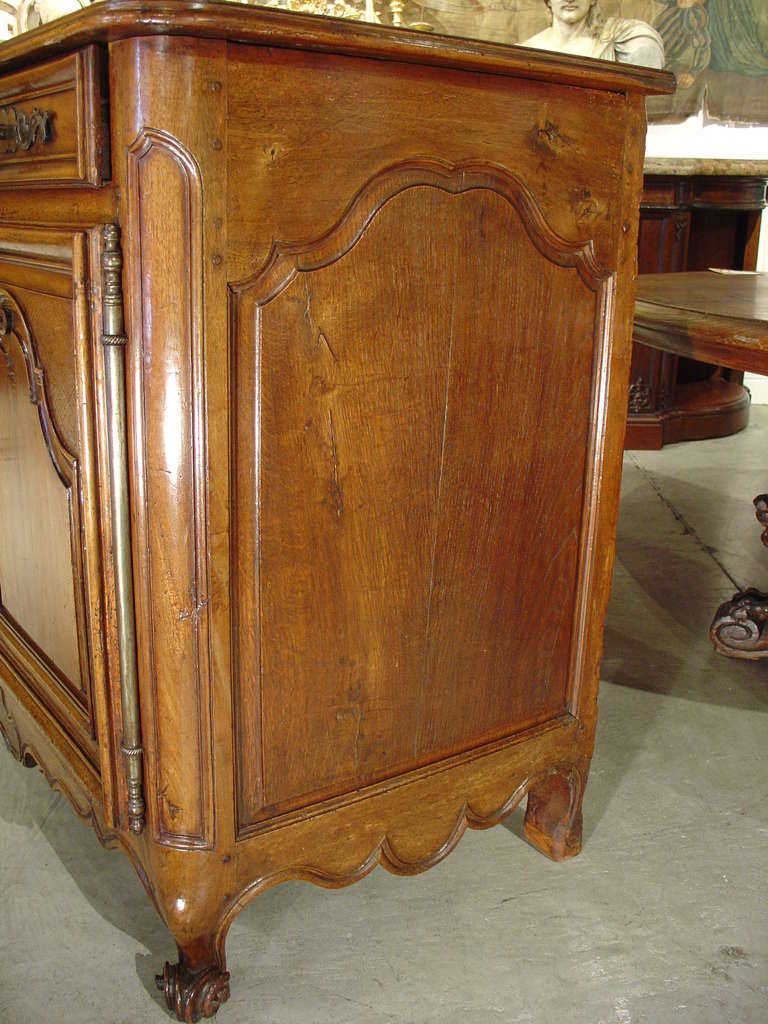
[{"x": 106, "y": 878}]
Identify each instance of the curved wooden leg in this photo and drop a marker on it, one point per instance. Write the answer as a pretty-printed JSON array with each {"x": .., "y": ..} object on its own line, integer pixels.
[
  {"x": 553, "y": 814},
  {"x": 198, "y": 984}
]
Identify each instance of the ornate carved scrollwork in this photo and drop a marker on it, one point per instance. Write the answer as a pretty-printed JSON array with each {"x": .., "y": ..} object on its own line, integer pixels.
[
  {"x": 740, "y": 626},
  {"x": 639, "y": 396},
  {"x": 24, "y": 130},
  {"x": 6, "y": 320},
  {"x": 192, "y": 995}
]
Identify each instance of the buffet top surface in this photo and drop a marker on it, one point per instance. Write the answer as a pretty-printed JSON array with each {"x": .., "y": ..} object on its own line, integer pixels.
[{"x": 120, "y": 19}]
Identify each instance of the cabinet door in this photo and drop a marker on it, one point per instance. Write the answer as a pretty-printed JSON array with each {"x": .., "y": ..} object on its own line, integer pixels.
[{"x": 49, "y": 580}]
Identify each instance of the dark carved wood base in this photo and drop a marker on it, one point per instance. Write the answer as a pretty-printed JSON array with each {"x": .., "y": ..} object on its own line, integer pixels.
[
  {"x": 713, "y": 408},
  {"x": 192, "y": 994},
  {"x": 740, "y": 626},
  {"x": 553, "y": 815}
]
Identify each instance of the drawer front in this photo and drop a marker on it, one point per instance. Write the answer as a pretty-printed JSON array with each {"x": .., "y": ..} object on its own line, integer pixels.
[{"x": 52, "y": 129}]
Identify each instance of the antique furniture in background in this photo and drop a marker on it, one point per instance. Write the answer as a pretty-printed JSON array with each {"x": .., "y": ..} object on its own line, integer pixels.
[
  {"x": 721, "y": 318},
  {"x": 308, "y": 521},
  {"x": 694, "y": 215}
]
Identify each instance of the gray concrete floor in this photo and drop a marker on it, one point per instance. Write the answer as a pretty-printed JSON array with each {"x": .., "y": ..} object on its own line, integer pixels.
[{"x": 663, "y": 918}]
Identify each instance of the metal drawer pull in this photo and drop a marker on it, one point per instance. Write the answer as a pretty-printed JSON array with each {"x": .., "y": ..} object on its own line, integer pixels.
[{"x": 24, "y": 130}]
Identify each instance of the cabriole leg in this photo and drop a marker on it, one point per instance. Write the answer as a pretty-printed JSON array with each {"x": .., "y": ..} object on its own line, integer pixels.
[{"x": 553, "y": 814}]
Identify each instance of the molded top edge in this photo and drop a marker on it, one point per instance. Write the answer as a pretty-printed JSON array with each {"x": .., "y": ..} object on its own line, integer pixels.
[{"x": 122, "y": 19}]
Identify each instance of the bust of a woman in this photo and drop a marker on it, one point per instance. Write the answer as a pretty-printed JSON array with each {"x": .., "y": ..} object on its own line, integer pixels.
[{"x": 578, "y": 27}]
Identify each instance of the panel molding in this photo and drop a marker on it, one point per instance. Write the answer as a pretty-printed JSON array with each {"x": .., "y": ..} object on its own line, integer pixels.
[
  {"x": 383, "y": 850},
  {"x": 287, "y": 259},
  {"x": 169, "y": 620},
  {"x": 248, "y": 298},
  {"x": 43, "y": 674},
  {"x": 13, "y": 322}
]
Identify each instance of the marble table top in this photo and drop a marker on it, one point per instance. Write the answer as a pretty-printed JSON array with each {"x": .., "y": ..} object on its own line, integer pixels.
[{"x": 705, "y": 166}]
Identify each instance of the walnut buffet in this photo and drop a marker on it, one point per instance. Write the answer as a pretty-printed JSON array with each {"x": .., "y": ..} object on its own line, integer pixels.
[{"x": 315, "y": 351}]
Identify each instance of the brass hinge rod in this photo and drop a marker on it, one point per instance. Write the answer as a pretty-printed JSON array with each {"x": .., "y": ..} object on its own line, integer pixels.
[{"x": 114, "y": 341}]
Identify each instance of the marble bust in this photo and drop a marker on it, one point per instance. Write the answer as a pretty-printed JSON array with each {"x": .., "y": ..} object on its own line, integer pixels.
[{"x": 578, "y": 27}]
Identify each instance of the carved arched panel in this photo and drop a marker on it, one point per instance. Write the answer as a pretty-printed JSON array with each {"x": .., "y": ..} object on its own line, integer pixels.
[
  {"x": 165, "y": 257},
  {"x": 40, "y": 513},
  {"x": 412, "y": 454}
]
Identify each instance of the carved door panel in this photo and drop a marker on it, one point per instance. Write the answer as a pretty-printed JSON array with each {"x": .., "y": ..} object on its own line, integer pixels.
[
  {"x": 48, "y": 554},
  {"x": 404, "y": 478}
]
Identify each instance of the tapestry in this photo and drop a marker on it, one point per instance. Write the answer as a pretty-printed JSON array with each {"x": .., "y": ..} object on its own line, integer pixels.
[{"x": 718, "y": 49}]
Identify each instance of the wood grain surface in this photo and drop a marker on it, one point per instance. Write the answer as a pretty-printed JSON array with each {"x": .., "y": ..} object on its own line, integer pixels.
[
  {"x": 69, "y": 92},
  {"x": 387, "y": 621},
  {"x": 378, "y": 293}
]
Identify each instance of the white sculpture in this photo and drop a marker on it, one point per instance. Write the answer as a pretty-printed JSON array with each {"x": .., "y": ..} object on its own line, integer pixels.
[
  {"x": 31, "y": 13},
  {"x": 578, "y": 27}
]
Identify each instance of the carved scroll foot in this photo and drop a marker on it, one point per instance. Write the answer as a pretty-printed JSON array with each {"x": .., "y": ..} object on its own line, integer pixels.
[
  {"x": 740, "y": 626},
  {"x": 193, "y": 992},
  {"x": 553, "y": 815}
]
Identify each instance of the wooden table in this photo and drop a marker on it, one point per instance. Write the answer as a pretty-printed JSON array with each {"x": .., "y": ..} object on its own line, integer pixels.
[
  {"x": 694, "y": 214},
  {"x": 719, "y": 318}
]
